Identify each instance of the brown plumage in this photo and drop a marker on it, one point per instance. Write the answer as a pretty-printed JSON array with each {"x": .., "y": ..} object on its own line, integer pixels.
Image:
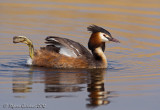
[
  {"x": 65, "y": 53},
  {"x": 95, "y": 42},
  {"x": 47, "y": 58}
]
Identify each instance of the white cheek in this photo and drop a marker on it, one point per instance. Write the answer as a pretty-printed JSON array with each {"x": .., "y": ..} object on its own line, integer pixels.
[{"x": 104, "y": 39}]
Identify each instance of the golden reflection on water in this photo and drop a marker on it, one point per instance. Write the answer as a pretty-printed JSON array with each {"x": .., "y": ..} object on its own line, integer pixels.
[
  {"x": 134, "y": 70},
  {"x": 22, "y": 83},
  {"x": 96, "y": 88}
]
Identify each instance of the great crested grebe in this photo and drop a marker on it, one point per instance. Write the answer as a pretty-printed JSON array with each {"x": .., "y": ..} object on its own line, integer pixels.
[{"x": 65, "y": 53}]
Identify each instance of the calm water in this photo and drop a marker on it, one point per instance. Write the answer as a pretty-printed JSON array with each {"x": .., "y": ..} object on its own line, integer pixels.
[{"x": 132, "y": 81}]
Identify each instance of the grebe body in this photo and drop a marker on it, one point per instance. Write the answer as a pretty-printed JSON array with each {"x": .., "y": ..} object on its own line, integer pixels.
[{"x": 66, "y": 53}]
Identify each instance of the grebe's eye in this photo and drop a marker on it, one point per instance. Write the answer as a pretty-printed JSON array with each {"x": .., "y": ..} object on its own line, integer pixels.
[{"x": 104, "y": 35}]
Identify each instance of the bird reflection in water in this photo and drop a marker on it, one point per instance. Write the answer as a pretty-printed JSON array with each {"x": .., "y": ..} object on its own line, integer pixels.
[
  {"x": 21, "y": 83},
  {"x": 66, "y": 81},
  {"x": 97, "y": 94},
  {"x": 70, "y": 82}
]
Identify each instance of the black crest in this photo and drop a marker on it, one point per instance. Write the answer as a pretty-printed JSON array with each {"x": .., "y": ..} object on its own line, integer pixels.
[{"x": 94, "y": 29}]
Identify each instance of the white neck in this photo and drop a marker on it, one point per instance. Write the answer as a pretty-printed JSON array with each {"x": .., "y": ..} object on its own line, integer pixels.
[{"x": 100, "y": 56}]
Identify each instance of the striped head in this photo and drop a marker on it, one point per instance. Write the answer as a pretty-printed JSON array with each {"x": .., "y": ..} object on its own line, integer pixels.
[{"x": 99, "y": 36}]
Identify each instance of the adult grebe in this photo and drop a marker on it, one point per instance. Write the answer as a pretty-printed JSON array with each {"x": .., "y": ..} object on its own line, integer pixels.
[{"x": 65, "y": 53}]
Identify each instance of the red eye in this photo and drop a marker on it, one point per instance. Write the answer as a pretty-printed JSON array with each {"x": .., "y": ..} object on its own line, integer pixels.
[{"x": 104, "y": 35}]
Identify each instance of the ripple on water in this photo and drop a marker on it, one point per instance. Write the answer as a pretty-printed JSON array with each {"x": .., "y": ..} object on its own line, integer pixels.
[{"x": 133, "y": 65}]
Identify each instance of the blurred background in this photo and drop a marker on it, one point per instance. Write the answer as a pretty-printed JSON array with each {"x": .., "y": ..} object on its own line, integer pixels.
[{"x": 132, "y": 80}]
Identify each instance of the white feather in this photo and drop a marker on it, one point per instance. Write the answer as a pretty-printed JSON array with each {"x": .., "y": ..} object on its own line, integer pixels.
[
  {"x": 52, "y": 39},
  {"x": 67, "y": 52},
  {"x": 75, "y": 49},
  {"x": 29, "y": 61}
]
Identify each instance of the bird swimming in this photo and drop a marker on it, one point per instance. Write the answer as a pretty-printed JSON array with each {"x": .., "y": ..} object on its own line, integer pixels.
[{"x": 65, "y": 53}]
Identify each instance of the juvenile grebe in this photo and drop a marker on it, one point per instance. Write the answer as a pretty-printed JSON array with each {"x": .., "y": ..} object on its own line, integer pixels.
[{"x": 65, "y": 53}]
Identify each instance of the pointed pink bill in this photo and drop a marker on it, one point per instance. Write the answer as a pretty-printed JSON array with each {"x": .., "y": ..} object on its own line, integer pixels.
[{"x": 114, "y": 40}]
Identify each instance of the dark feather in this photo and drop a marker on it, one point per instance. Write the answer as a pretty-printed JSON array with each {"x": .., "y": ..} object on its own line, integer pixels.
[
  {"x": 95, "y": 29},
  {"x": 52, "y": 48},
  {"x": 56, "y": 44},
  {"x": 103, "y": 46}
]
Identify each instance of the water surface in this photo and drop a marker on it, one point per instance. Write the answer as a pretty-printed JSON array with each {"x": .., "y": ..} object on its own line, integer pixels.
[{"x": 132, "y": 80}]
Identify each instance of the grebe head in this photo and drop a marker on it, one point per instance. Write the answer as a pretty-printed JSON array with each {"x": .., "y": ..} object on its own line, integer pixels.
[{"x": 99, "y": 36}]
